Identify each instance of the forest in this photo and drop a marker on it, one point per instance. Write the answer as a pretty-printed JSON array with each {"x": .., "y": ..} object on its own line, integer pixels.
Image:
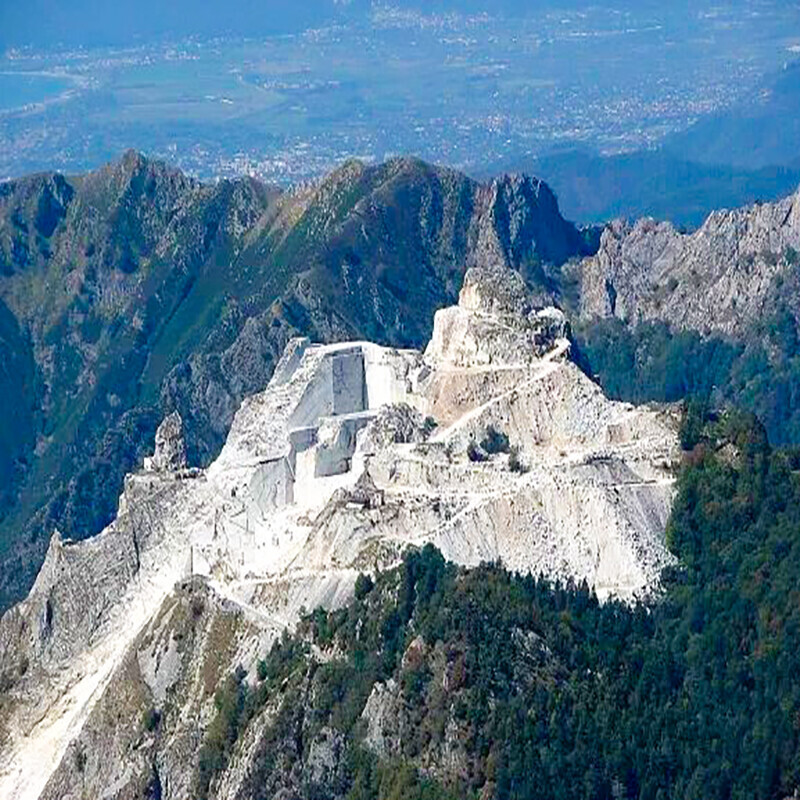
[{"x": 536, "y": 690}]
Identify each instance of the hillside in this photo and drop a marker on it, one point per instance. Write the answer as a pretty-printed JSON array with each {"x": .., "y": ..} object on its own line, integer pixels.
[
  {"x": 441, "y": 682},
  {"x": 133, "y": 291},
  {"x": 661, "y": 314}
]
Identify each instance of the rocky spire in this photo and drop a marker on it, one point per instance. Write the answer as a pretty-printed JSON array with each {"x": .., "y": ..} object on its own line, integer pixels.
[
  {"x": 494, "y": 290},
  {"x": 495, "y": 322},
  {"x": 170, "y": 453}
]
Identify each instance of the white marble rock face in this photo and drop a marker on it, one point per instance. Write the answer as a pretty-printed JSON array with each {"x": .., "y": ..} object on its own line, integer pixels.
[{"x": 351, "y": 454}]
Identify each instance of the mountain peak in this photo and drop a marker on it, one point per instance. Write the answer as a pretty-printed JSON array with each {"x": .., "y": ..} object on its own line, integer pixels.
[{"x": 133, "y": 159}]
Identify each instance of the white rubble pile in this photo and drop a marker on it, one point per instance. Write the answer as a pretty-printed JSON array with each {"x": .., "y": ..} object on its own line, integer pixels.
[{"x": 351, "y": 454}]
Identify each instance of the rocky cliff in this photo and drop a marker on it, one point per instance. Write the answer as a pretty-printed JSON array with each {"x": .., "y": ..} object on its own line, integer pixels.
[
  {"x": 738, "y": 268},
  {"x": 490, "y": 445},
  {"x": 664, "y": 315}
]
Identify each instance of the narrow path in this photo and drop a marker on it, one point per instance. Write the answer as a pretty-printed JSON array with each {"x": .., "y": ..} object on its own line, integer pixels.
[
  {"x": 547, "y": 366},
  {"x": 33, "y": 758}
]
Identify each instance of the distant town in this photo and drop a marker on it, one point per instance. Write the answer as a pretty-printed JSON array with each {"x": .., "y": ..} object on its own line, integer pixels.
[{"x": 469, "y": 91}]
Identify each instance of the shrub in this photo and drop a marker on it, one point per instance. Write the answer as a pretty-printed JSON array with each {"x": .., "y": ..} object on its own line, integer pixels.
[
  {"x": 515, "y": 463},
  {"x": 476, "y": 454},
  {"x": 694, "y": 419},
  {"x": 364, "y": 586},
  {"x": 494, "y": 441},
  {"x": 234, "y": 706},
  {"x": 151, "y": 719},
  {"x": 429, "y": 426}
]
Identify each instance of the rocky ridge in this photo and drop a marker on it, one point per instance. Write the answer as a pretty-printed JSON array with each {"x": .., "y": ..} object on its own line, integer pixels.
[
  {"x": 491, "y": 445},
  {"x": 739, "y": 267}
]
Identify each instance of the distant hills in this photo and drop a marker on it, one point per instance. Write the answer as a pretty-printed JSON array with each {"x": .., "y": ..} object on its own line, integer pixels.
[
  {"x": 594, "y": 188},
  {"x": 745, "y": 154},
  {"x": 762, "y": 131}
]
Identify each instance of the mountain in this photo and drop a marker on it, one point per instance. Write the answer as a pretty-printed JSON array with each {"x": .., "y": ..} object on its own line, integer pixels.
[
  {"x": 719, "y": 279},
  {"x": 441, "y": 682},
  {"x": 518, "y": 586},
  {"x": 134, "y": 291},
  {"x": 491, "y": 445},
  {"x": 661, "y": 314}
]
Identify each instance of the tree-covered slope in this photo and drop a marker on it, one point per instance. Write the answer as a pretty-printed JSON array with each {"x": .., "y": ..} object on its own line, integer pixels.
[
  {"x": 439, "y": 682},
  {"x": 760, "y": 374}
]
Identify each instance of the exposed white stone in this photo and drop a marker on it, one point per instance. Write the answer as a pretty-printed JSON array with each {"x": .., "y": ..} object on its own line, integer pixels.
[
  {"x": 170, "y": 452},
  {"x": 331, "y": 471},
  {"x": 737, "y": 267}
]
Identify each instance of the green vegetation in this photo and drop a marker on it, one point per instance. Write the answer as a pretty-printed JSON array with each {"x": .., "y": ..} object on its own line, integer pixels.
[
  {"x": 364, "y": 585},
  {"x": 151, "y": 720},
  {"x": 652, "y": 362},
  {"x": 390, "y": 780},
  {"x": 538, "y": 691},
  {"x": 429, "y": 426},
  {"x": 476, "y": 454},
  {"x": 515, "y": 463},
  {"x": 19, "y": 392},
  {"x": 495, "y": 441},
  {"x": 235, "y": 706}
]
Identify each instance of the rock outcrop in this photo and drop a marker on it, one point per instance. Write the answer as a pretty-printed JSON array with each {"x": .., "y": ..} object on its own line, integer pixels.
[
  {"x": 170, "y": 454},
  {"x": 351, "y": 454},
  {"x": 494, "y": 323},
  {"x": 738, "y": 268}
]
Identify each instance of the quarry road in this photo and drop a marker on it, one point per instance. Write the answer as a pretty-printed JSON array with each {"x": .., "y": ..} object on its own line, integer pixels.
[{"x": 549, "y": 367}]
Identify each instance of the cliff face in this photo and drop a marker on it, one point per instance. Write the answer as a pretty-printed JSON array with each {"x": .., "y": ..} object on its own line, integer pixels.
[
  {"x": 134, "y": 291},
  {"x": 740, "y": 267},
  {"x": 490, "y": 445}
]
